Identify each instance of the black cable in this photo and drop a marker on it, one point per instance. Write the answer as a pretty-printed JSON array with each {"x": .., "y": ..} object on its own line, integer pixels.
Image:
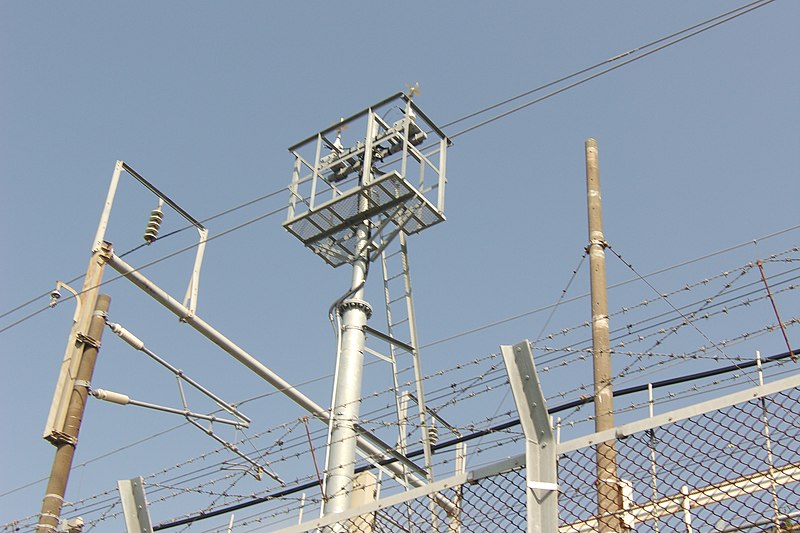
[
  {"x": 596, "y": 65},
  {"x": 478, "y": 434},
  {"x": 751, "y": 6},
  {"x": 755, "y": 5}
]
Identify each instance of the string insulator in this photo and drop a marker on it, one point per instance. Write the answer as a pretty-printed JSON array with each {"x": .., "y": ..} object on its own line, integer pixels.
[
  {"x": 433, "y": 433},
  {"x": 150, "y": 234}
]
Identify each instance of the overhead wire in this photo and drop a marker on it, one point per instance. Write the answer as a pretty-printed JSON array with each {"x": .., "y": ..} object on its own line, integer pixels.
[
  {"x": 714, "y": 22},
  {"x": 596, "y": 65},
  {"x": 700, "y": 27},
  {"x": 757, "y": 4},
  {"x": 657, "y": 272},
  {"x": 445, "y": 389},
  {"x": 472, "y": 436}
]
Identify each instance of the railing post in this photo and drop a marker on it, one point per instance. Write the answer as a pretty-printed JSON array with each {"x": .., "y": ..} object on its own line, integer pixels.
[{"x": 540, "y": 449}]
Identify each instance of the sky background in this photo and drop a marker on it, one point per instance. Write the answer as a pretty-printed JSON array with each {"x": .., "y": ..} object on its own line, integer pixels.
[{"x": 697, "y": 148}]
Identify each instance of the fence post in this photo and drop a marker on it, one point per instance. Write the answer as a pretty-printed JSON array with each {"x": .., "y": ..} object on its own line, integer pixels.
[{"x": 540, "y": 449}]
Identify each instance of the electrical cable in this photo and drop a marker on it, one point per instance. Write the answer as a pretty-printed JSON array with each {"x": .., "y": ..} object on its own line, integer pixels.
[
  {"x": 247, "y": 400},
  {"x": 466, "y": 438},
  {"x": 753, "y": 6},
  {"x": 613, "y": 286},
  {"x": 462, "y": 132},
  {"x": 596, "y": 65},
  {"x": 748, "y": 7}
]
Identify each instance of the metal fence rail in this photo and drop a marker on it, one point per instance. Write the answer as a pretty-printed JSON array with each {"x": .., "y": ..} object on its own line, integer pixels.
[
  {"x": 491, "y": 499},
  {"x": 732, "y": 469},
  {"x": 728, "y": 464}
]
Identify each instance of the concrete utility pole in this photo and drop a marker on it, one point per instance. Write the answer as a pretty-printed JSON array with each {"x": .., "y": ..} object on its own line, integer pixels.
[
  {"x": 65, "y": 446},
  {"x": 609, "y": 496}
]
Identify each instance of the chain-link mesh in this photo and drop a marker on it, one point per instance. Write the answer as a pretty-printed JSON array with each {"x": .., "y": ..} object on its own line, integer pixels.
[
  {"x": 492, "y": 504},
  {"x": 734, "y": 469}
]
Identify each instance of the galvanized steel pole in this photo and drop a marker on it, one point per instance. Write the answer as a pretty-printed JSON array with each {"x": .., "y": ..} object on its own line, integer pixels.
[
  {"x": 347, "y": 396},
  {"x": 608, "y": 493},
  {"x": 65, "y": 448}
]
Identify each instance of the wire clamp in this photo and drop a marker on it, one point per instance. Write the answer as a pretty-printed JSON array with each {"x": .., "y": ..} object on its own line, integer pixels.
[
  {"x": 597, "y": 242},
  {"x": 85, "y": 339}
]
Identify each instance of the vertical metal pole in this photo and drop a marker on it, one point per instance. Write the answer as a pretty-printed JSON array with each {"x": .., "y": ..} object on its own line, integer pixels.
[
  {"x": 686, "y": 503},
  {"x": 134, "y": 505},
  {"x": 653, "y": 472},
  {"x": 347, "y": 396},
  {"x": 65, "y": 448},
  {"x": 768, "y": 445},
  {"x": 540, "y": 449},
  {"x": 608, "y": 490}
]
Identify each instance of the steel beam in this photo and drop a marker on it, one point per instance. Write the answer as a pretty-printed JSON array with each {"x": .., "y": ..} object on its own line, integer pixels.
[
  {"x": 283, "y": 386},
  {"x": 540, "y": 449}
]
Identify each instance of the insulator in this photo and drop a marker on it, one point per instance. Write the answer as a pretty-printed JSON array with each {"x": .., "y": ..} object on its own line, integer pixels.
[
  {"x": 433, "y": 434},
  {"x": 150, "y": 234}
]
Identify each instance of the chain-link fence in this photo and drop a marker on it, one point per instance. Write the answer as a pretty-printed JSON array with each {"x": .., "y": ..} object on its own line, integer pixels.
[
  {"x": 730, "y": 469},
  {"x": 492, "y": 502},
  {"x": 730, "y": 464}
]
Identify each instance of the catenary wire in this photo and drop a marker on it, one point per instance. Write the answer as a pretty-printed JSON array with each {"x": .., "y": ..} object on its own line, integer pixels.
[
  {"x": 718, "y": 20},
  {"x": 309, "y": 381},
  {"x": 753, "y": 6},
  {"x": 163, "y": 258},
  {"x": 596, "y": 65}
]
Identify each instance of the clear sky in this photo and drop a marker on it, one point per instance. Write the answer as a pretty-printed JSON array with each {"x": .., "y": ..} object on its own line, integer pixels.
[{"x": 697, "y": 154}]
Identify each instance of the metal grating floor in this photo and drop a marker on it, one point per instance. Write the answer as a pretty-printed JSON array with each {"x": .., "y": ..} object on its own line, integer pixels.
[{"x": 329, "y": 228}]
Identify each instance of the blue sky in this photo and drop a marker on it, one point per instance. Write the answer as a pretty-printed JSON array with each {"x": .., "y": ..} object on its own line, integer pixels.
[{"x": 697, "y": 154}]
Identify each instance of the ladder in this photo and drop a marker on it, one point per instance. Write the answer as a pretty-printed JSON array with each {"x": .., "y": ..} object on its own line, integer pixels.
[{"x": 401, "y": 324}]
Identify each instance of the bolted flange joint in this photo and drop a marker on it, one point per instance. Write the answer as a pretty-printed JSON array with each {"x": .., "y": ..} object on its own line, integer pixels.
[{"x": 354, "y": 303}]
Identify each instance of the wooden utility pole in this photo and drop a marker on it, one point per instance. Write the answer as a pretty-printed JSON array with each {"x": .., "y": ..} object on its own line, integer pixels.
[
  {"x": 609, "y": 495},
  {"x": 65, "y": 446}
]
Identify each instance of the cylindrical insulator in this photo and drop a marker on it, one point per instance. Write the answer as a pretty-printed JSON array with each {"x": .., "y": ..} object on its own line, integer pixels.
[
  {"x": 111, "y": 396},
  {"x": 150, "y": 234},
  {"x": 126, "y": 335}
]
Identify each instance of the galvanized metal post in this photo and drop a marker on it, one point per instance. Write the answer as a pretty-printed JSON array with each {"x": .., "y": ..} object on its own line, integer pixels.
[
  {"x": 349, "y": 369},
  {"x": 347, "y": 397},
  {"x": 65, "y": 447},
  {"x": 134, "y": 505},
  {"x": 609, "y": 500},
  {"x": 540, "y": 448}
]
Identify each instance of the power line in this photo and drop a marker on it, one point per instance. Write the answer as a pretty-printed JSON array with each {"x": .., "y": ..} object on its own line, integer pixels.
[
  {"x": 466, "y": 438},
  {"x": 546, "y": 360},
  {"x": 597, "y": 65},
  {"x": 750, "y": 7},
  {"x": 682, "y": 264},
  {"x": 703, "y": 26}
]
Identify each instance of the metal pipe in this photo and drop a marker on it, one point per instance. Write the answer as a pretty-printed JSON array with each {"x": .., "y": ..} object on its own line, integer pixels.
[
  {"x": 139, "y": 345},
  {"x": 197, "y": 323},
  {"x": 347, "y": 396},
  {"x": 123, "y": 399},
  {"x": 216, "y": 337}
]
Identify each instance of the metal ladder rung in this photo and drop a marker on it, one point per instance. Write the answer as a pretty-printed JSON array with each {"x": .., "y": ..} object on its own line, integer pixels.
[
  {"x": 403, "y": 297},
  {"x": 395, "y": 324}
]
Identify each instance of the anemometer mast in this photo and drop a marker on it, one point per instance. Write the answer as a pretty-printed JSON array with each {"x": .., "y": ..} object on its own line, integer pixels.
[{"x": 349, "y": 201}]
